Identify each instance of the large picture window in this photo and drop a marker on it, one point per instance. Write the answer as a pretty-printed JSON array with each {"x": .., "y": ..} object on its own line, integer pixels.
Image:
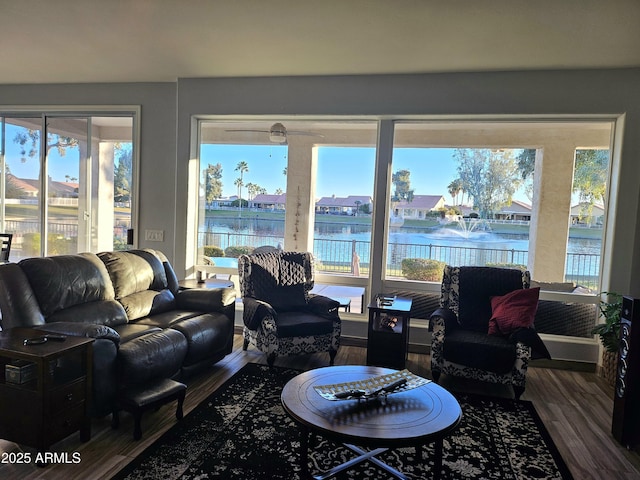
[
  {"x": 513, "y": 194},
  {"x": 494, "y": 195}
]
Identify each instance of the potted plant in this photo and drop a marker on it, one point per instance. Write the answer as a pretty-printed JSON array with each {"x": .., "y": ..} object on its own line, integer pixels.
[{"x": 609, "y": 332}]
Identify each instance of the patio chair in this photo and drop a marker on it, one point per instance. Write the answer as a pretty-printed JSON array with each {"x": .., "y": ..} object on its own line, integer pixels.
[
  {"x": 483, "y": 328},
  {"x": 5, "y": 242},
  {"x": 280, "y": 316}
]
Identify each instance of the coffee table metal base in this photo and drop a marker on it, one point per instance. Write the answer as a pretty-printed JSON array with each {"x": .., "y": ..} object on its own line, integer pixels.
[{"x": 363, "y": 456}]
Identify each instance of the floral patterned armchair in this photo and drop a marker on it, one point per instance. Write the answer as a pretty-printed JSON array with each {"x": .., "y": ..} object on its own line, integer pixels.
[
  {"x": 280, "y": 316},
  {"x": 461, "y": 344}
]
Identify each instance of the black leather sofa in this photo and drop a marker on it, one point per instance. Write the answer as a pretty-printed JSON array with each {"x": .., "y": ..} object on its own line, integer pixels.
[{"x": 145, "y": 328}]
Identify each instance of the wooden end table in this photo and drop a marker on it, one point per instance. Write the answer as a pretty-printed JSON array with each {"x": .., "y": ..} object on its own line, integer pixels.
[
  {"x": 53, "y": 401},
  {"x": 388, "y": 332},
  {"x": 209, "y": 283},
  {"x": 412, "y": 418}
]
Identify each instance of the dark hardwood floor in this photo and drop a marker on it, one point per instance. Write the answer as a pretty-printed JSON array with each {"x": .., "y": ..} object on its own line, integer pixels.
[{"x": 575, "y": 407}]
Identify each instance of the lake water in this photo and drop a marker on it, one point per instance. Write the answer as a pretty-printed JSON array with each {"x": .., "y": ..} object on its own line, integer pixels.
[{"x": 446, "y": 237}]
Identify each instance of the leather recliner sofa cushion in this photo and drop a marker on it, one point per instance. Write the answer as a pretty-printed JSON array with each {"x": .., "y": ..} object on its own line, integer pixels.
[
  {"x": 152, "y": 356},
  {"x": 73, "y": 288},
  {"x": 18, "y": 305},
  {"x": 140, "y": 283}
]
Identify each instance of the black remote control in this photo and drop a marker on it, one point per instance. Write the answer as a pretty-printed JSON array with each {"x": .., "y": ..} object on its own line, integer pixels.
[{"x": 55, "y": 337}]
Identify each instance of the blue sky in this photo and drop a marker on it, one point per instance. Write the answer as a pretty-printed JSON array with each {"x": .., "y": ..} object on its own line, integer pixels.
[
  {"x": 342, "y": 171},
  {"x": 59, "y": 166}
]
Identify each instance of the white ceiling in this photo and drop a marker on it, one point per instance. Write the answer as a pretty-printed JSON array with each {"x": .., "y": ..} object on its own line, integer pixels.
[{"x": 45, "y": 41}]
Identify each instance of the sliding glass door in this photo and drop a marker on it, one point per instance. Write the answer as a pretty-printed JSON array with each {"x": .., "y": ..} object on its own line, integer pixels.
[{"x": 67, "y": 182}]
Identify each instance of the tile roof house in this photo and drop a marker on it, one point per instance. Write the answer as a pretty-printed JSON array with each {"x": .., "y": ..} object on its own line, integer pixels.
[
  {"x": 28, "y": 187},
  {"x": 586, "y": 214},
  {"x": 516, "y": 211},
  {"x": 419, "y": 207},
  {"x": 266, "y": 201},
  {"x": 343, "y": 205}
]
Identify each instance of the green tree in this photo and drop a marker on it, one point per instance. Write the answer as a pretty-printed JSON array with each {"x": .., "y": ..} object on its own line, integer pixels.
[
  {"x": 526, "y": 162},
  {"x": 490, "y": 177},
  {"x": 402, "y": 182},
  {"x": 252, "y": 190},
  {"x": 242, "y": 167},
  {"x": 123, "y": 174},
  {"x": 590, "y": 178},
  {"x": 590, "y": 175},
  {"x": 29, "y": 142},
  {"x": 455, "y": 187},
  {"x": 212, "y": 181}
]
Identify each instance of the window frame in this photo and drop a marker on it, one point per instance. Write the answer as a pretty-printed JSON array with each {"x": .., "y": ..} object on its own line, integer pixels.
[{"x": 88, "y": 112}]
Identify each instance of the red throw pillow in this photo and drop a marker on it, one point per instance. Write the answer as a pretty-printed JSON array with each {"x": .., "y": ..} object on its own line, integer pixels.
[{"x": 514, "y": 310}]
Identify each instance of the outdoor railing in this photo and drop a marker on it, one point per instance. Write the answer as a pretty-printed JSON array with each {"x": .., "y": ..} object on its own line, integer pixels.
[
  {"x": 352, "y": 256},
  {"x": 337, "y": 256}
]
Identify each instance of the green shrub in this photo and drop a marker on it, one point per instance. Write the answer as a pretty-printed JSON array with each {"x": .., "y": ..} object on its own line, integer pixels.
[
  {"x": 212, "y": 251},
  {"x": 508, "y": 265},
  {"x": 423, "y": 269},
  {"x": 237, "y": 250},
  {"x": 56, "y": 244}
]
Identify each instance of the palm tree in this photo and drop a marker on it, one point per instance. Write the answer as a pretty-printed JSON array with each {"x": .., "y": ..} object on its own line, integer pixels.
[
  {"x": 238, "y": 183},
  {"x": 241, "y": 167},
  {"x": 455, "y": 187}
]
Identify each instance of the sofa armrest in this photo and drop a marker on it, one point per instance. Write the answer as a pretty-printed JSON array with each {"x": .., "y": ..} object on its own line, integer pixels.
[
  {"x": 77, "y": 329},
  {"x": 206, "y": 300},
  {"x": 254, "y": 311}
]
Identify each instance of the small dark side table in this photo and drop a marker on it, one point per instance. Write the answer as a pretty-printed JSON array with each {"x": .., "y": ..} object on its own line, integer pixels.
[
  {"x": 388, "y": 332},
  {"x": 51, "y": 399},
  {"x": 205, "y": 284}
]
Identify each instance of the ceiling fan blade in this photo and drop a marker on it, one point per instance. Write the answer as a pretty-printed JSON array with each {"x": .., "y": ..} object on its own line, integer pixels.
[
  {"x": 246, "y": 130},
  {"x": 300, "y": 132}
]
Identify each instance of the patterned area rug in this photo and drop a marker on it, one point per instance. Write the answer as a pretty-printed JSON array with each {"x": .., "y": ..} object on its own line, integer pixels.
[{"x": 241, "y": 431}]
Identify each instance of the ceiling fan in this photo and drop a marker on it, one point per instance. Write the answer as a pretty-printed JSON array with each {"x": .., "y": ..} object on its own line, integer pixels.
[{"x": 278, "y": 133}]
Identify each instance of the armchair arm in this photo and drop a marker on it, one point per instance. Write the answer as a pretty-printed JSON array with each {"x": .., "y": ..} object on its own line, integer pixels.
[
  {"x": 444, "y": 317},
  {"x": 530, "y": 338},
  {"x": 324, "y": 306},
  {"x": 77, "y": 329},
  {"x": 254, "y": 311},
  {"x": 206, "y": 300}
]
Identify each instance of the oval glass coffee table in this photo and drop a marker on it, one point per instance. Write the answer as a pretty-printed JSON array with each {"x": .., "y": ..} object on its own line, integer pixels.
[{"x": 411, "y": 418}]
